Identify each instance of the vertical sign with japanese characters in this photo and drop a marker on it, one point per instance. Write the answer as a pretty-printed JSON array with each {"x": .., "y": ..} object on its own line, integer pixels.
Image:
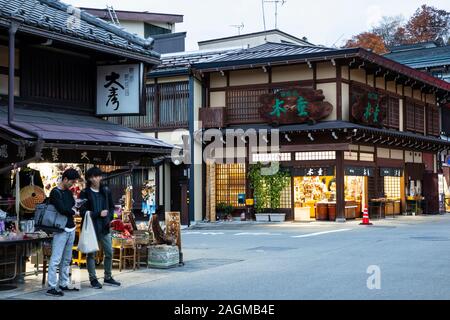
[{"x": 119, "y": 89}]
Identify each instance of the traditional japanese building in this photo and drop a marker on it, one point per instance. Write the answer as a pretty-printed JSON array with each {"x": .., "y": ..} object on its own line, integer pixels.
[
  {"x": 61, "y": 71},
  {"x": 433, "y": 58},
  {"x": 355, "y": 129}
]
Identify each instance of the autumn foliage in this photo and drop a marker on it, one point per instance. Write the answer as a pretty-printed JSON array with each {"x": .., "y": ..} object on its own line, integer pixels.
[
  {"x": 368, "y": 40},
  {"x": 426, "y": 24}
]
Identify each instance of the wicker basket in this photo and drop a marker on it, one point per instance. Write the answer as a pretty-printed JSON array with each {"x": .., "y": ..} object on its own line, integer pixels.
[
  {"x": 119, "y": 242},
  {"x": 31, "y": 196},
  {"x": 141, "y": 237}
]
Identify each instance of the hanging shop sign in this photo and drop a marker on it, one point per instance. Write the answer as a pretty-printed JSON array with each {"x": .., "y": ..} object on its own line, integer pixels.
[
  {"x": 391, "y": 172},
  {"x": 367, "y": 108},
  {"x": 294, "y": 105},
  {"x": 119, "y": 89},
  {"x": 359, "y": 171},
  {"x": 312, "y": 171}
]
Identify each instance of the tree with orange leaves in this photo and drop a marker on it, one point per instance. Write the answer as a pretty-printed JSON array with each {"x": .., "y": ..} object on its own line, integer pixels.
[
  {"x": 428, "y": 24},
  {"x": 368, "y": 40}
]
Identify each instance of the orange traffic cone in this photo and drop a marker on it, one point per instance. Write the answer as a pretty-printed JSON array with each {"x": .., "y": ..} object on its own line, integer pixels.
[{"x": 365, "y": 221}]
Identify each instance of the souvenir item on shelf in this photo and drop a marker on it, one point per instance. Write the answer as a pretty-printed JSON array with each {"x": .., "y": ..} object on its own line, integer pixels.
[
  {"x": 173, "y": 229},
  {"x": 148, "y": 199},
  {"x": 31, "y": 196},
  {"x": 123, "y": 228}
]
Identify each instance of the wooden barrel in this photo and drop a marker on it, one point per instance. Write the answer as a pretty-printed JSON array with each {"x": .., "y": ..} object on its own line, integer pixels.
[
  {"x": 322, "y": 211},
  {"x": 332, "y": 211}
]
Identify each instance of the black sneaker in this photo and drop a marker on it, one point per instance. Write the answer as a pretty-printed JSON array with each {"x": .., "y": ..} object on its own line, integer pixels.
[
  {"x": 95, "y": 284},
  {"x": 54, "y": 293},
  {"x": 111, "y": 282},
  {"x": 68, "y": 289}
]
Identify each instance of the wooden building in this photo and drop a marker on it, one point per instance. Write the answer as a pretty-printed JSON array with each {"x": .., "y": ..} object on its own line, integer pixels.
[
  {"x": 355, "y": 129},
  {"x": 54, "y": 58}
]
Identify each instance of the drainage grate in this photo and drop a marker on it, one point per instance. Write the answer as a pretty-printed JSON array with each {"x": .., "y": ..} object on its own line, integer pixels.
[
  {"x": 271, "y": 249},
  {"x": 431, "y": 238}
]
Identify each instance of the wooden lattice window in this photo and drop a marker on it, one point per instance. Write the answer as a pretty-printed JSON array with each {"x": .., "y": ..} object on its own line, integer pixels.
[
  {"x": 230, "y": 182},
  {"x": 419, "y": 115},
  {"x": 392, "y": 187},
  {"x": 433, "y": 121},
  {"x": 286, "y": 196},
  {"x": 141, "y": 122},
  {"x": 173, "y": 104},
  {"x": 244, "y": 105},
  {"x": 415, "y": 117},
  {"x": 393, "y": 113},
  {"x": 410, "y": 116}
]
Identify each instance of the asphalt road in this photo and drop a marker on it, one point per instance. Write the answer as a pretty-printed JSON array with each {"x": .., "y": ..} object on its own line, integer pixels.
[{"x": 408, "y": 258}]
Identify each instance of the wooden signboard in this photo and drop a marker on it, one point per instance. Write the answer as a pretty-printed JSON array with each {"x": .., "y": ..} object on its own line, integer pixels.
[
  {"x": 359, "y": 171},
  {"x": 367, "y": 109},
  {"x": 294, "y": 105}
]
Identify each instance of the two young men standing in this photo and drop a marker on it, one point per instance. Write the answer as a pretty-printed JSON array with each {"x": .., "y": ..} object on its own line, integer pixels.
[{"x": 101, "y": 209}]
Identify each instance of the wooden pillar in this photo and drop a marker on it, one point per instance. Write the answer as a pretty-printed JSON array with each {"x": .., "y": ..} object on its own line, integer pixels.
[
  {"x": 338, "y": 91},
  {"x": 340, "y": 194}
]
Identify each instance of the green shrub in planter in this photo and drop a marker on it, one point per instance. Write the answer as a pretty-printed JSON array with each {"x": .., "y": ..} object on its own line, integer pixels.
[{"x": 224, "y": 210}]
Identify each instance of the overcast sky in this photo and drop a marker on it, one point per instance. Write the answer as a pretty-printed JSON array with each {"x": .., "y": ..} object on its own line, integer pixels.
[{"x": 322, "y": 22}]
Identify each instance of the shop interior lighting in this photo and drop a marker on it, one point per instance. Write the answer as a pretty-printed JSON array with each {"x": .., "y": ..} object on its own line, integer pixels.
[{"x": 310, "y": 136}]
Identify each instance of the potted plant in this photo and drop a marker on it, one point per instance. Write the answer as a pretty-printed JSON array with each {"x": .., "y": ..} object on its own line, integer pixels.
[
  {"x": 224, "y": 211},
  {"x": 267, "y": 184}
]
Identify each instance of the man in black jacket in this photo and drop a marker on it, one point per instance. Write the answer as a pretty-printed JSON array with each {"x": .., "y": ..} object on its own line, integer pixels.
[
  {"x": 61, "y": 197},
  {"x": 101, "y": 209}
]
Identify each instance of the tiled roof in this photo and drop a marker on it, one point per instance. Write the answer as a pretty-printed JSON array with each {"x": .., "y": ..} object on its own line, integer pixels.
[
  {"x": 281, "y": 53},
  {"x": 422, "y": 58},
  {"x": 267, "y": 51},
  {"x": 67, "y": 127},
  {"x": 414, "y": 46},
  {"x": 178, "y": 62},
  {"x": 55, "y": 17}
]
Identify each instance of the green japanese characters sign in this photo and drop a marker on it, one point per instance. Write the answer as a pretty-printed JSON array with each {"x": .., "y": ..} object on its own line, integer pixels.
[
  {"x": 367, "y": 108},
  {"x": 295, "y": 105}
]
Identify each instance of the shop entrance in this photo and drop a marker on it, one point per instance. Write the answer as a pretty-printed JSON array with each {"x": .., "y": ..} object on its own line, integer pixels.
[
  {"x": 359, "y": 183},
  {"x": 356, "y": 195},
  {"x": 314, "y": 192}
]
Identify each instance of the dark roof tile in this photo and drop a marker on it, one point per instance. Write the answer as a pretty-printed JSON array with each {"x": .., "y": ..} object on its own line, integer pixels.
[{"x": 56, "y": 16}]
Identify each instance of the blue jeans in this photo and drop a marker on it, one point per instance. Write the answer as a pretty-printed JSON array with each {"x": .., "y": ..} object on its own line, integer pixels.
[
  {"x": 105, "y": 242},
  {"x": 61, "y": 258}
]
